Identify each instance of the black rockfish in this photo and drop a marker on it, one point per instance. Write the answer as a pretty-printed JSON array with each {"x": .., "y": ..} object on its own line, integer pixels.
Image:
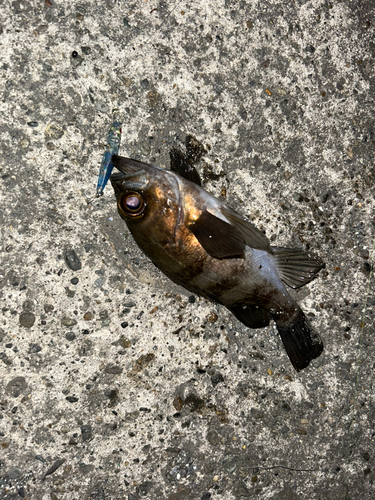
[{"x": 211, "y": 250}]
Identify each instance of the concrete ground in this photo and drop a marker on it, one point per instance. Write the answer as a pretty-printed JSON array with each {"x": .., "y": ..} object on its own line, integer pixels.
[{"x": 117, "y": 384}]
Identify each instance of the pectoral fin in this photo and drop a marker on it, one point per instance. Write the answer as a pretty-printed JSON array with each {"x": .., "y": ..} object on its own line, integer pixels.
[
  {"x": 296, "y": 267},
  {"x": 220, "y": 239},
  {"x": 252, "y": 236}
]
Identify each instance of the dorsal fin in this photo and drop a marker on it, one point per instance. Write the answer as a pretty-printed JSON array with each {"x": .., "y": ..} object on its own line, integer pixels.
[{"x": 183, "y": 167}]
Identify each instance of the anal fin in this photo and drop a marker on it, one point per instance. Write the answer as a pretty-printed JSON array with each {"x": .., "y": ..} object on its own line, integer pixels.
[{"x": 251, "y": 316}]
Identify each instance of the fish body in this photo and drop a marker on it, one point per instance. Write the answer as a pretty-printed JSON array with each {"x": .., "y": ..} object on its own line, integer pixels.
[
  {"x": 106, "y": 167},
  {"x": 211, "y": 250}
]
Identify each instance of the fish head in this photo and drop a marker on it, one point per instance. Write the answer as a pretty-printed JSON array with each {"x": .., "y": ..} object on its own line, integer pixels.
[{"x": 148, "y": 199}]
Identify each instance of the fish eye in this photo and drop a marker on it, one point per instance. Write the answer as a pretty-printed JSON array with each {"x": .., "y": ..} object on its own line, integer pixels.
[{"x": 131, "y": 204}]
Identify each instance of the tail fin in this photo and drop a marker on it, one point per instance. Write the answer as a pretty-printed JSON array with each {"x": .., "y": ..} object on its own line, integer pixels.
[{"x": 301, "y": 342}]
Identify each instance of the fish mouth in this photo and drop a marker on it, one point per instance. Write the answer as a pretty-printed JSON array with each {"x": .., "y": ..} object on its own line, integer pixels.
[
  {"x": 134, "y": 180},
  {"x": 122, "y": 176},
  {"x": 117, "y": 176},
  {"x": 131, "y": 174}
]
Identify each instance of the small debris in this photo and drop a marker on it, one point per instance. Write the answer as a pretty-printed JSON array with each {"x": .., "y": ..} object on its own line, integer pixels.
[
  {"x": 113, "y": 369},
  {"x": 27, "y": 319},
  {"x": 54, "y": 467},
  {"x": 72, "y": 260},
  {"x": 68, "y": 322}
]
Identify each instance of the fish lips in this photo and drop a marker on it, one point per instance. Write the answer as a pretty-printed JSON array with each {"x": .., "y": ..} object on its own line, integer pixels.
[
  {"x": 117, "y": 182},
  {"x": 121, "y": 167},
  {"x": 118, "y": 162}
]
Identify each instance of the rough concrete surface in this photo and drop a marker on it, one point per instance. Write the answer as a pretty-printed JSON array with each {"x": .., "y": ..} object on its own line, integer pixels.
[{"x": 117, "y": 384}]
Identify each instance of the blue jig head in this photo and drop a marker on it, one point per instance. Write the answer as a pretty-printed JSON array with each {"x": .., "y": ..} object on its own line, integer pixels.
[{"x": 106, "y": 167}]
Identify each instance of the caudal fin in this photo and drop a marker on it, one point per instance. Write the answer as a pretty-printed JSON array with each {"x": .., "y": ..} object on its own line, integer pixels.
[{"x": 301, "y": 342}]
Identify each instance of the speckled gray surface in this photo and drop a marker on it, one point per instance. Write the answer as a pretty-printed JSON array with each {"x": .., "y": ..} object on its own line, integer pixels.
[{"x": 115, "y": 383}]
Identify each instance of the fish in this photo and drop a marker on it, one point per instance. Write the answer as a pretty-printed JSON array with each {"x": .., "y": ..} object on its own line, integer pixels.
[
  {"x": 106, "y": 166},
  {"x": 205, "y": 246}
]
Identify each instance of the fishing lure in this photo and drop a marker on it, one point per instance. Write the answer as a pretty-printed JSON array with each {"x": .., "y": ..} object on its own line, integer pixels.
[{"x": 106, "y": 166}]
